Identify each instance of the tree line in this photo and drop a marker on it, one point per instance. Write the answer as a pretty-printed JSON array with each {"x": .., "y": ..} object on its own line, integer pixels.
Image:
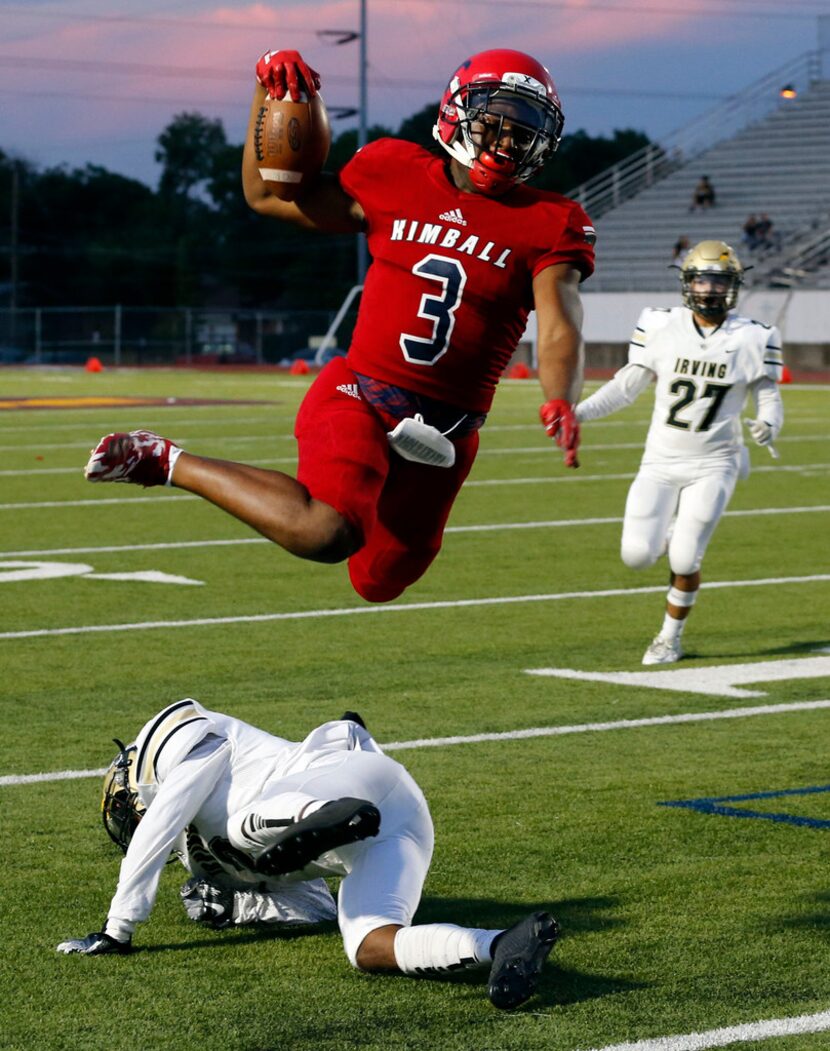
[{"x": 90, "y": 237}]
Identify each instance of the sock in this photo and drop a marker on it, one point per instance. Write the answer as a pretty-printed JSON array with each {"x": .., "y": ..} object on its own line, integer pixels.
[
  {"x": 121, "y": 930},
  {"x": 434, "y": 947},
  {"x": 672, "y": 628}
]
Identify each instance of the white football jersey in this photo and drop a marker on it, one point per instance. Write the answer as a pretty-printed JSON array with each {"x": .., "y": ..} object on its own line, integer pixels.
[
  {"x": 701, "y": 380},
  {"x": 195, "y": 768}
]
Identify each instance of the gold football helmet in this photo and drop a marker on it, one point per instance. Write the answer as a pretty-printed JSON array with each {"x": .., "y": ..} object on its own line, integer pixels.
[
  {"x": 711, "y": 275},
  {"x": 121, "y": 808}
]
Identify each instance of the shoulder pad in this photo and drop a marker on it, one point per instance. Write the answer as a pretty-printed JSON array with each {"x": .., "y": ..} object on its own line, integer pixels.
[{"x": 167, "y": 738}]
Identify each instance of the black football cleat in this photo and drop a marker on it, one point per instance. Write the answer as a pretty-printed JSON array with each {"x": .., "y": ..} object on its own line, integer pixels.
[
  {"x": 334, "y": 825},
  {"x": 353, "y": 717},
  {"x": 519, "y": 954}
]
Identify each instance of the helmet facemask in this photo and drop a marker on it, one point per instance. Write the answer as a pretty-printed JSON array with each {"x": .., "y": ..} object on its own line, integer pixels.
[
  {"x": 121, "y": 807},
  {"x": 710, "y": 294},
  {"x": 502, "y": 131}
]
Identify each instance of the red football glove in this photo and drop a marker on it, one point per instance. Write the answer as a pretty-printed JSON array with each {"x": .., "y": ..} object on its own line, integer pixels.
[
  {"x": 558, "y": 419},
  {"x": 281, "y": 71}
]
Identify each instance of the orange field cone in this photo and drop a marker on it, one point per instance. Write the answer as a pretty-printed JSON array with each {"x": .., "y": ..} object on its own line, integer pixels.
[
  {"x": 299, "y": 367},
  {"x": 94, "y": 365},
  {"x": 786, "y": 375},
  {"x": 520, "y": 371}
]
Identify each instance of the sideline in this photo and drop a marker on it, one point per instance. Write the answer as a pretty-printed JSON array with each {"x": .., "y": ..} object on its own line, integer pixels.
[{"x": 507, "y": 735}]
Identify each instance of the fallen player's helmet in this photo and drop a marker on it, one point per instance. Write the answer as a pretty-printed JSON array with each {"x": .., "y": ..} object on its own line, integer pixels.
[
  {"x": 499, "y": 97},
  {"x": 121, "y": 808},
  {"x": 711, "y": 275}
]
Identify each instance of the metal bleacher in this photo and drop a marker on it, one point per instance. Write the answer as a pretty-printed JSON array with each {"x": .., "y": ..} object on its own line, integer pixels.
[{"x": 762, "y": 153}]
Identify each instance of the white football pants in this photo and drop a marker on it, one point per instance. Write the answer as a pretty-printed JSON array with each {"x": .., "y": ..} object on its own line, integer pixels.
[
  {"x": 384, "y": 875},
  {"x": 697, "y": 492}
]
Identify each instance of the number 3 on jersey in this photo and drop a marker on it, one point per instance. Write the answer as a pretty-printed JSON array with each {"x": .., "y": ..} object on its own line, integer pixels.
[{"x": 437, "y": 307}]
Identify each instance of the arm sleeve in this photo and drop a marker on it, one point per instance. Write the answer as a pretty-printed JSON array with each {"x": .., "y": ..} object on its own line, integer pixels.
[
  {"x": 768, "y": 404},
  {"x": 622, "y": 390},
  {"x": 773, "y": 358},
  {"x": 178, "y": 800}
]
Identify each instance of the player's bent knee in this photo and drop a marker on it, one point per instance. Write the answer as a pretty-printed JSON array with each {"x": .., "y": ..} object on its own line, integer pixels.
[
  {"x": 637, "y": 555},
  {"x": 684, "y": 566},
  {"x": 329, "y": 538},
  {"x": 377, "y": 591},
  {"x": 387, "y": 575},
  {"x": 377, "y": 950},
  {"x": 342, "y": 545}
]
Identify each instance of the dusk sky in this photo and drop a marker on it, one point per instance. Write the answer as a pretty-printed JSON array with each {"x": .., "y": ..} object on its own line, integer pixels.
[{"x": 96, "y": 81}]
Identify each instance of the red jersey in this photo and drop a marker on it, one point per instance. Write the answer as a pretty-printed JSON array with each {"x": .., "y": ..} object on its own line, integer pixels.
[{"x": 450, "y": 286}]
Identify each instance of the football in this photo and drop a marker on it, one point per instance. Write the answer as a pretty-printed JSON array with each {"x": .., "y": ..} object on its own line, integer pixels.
[{"x": 292, "y": 141}]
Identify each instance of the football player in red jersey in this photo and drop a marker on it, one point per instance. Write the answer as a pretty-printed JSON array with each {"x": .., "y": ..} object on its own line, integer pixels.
[{"x": 461, "y": 252}]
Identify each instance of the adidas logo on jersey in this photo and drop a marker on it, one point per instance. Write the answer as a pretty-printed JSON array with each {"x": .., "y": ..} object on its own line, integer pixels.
[
  {"x": 351, "y": 389},
  {"x": 453, "y": 216}
]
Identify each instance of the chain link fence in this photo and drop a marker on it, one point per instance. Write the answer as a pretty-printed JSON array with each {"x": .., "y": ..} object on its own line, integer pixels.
[{"x": 119, "y": 335}]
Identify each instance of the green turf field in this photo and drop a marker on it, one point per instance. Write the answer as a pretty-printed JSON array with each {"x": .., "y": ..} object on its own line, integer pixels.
[{"x": 676, "y": 920}]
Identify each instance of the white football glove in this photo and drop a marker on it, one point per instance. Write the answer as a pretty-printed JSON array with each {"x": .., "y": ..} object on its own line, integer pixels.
[{"x": 762, "y": 433}]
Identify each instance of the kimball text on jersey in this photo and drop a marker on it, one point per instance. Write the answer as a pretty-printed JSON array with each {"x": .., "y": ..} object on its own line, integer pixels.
[{"x": 429, "y": 233}]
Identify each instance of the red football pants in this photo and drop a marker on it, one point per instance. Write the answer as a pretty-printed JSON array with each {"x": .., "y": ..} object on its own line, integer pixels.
[{"x": 400, "y": 508}]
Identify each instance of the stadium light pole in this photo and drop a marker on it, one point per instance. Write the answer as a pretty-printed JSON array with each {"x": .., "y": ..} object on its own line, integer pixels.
[
  {"x": 362, "y": 254},
  {"x": 346, "y": 36}
]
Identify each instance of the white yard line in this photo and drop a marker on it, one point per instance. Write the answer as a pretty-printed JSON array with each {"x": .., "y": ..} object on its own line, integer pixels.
[
  {"x": 806, "y": 469},
  {"x": 267, "y": 461},
  {"x": 47, "y": 425},
  {"x": 410, "y": 607},
  {"x": 491, "y": 527},
  {"x": 541, "y": 449},
  {"x": 733, "y": 1034},
  {"x": 509, "y": 735}
]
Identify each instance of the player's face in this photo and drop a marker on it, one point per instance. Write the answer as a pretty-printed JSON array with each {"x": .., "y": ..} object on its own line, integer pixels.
[
  {"x": 711, "y": 284},
  {"x": 498, "y": 134},
  {"x": 507, "y": 128},
  {"x": 709, "y": 292}
]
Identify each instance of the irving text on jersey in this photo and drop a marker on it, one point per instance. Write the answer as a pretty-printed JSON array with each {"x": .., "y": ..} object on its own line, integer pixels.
[{"x": 705, "y": 369}]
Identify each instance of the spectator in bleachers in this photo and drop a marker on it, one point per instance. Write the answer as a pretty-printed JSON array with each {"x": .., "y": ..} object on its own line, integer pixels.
[
  {"x": 681, "y": 247},
  {"x": 765, "y": 235},
  {"x": 750, "y": 234},
  {"x": 704, "y": 195}
]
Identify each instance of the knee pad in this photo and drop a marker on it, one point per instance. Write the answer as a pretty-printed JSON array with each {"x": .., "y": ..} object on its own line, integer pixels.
[
  {"x": 685, "y": 556},
  {"x": 636, "y": 554},
  {"x": 385, "y": 576}
]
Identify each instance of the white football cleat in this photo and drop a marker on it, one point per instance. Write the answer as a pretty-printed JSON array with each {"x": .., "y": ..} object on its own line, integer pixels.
[
  {"x": 663, "y": 651},
  {"x": 141, "y": 457}
]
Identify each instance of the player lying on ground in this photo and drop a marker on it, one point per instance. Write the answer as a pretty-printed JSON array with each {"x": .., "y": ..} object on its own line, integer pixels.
[
  {"x": 706, "y": 360},
  {"x": 244, "y": 809},
  {"x": 462, "y": 250}
]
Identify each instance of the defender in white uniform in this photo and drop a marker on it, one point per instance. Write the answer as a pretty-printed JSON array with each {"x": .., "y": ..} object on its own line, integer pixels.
[
  {"x": 260, "y": 820},
  {"x": 705, "y": 361}
]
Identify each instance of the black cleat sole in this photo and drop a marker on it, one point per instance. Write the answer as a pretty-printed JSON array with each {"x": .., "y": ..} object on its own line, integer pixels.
[
  {"x": 336, "y": 824},
  {"x": 518, "y": 959}
]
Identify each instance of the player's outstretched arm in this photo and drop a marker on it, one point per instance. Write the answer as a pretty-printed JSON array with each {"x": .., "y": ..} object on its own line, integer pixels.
[
  {"x": 323, "y": 205},
  {"x": 622, "y": 390},
  {"x": 560, "y": 353}
]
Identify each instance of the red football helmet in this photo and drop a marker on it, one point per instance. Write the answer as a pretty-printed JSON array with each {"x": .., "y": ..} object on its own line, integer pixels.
[{"x": 500, "y": 116}]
